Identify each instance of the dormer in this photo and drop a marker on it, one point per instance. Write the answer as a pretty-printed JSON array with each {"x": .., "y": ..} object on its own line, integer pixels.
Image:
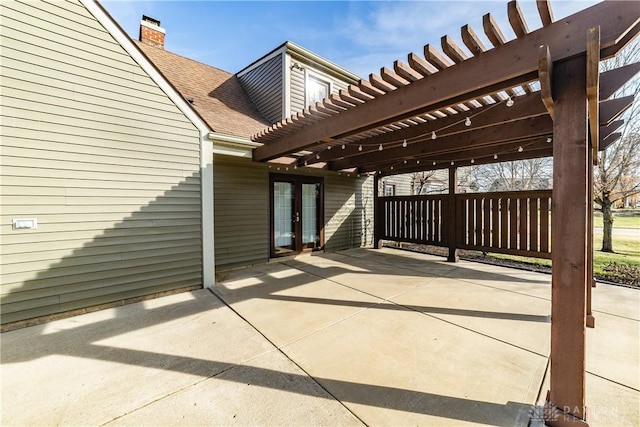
[{"x": 290, "y": 78}]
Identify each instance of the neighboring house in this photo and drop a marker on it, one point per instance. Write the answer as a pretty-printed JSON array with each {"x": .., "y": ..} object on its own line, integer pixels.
[{"x": 113, "y": 160}]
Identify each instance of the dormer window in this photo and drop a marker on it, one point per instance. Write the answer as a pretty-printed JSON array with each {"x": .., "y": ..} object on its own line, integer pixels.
[{"x": 317, "y": 89}]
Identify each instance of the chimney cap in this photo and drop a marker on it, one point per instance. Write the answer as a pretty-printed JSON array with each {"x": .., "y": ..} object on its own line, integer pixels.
[{"x": 150, "y": 20}]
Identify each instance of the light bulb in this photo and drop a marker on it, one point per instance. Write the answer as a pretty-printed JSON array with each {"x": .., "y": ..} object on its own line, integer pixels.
[
  {"x": 549, "y": 139},
  {"x": 495, "y": 156},
  {"x": 472, "y": 161},
  {"x": 318, "y": 156},
  {"x": 467, "y": 122},
  {"x": 329, "y": 147},
  {"x": 295, "y": 166},
  {"x": 417, "y": 162},
  {"x": 405, "y": 162},
  {"x": 433, "y": 135},
  {"x": 453, "y": 163},
  {"x": 509, "y": 102},
  {"x": 404, "y": 144},
  {"x": 343, "y": 146},
  {"x": 434, "y": 163},
  {"x": 520, "y": 149},
  {"x": 306, "y": 163},
  {"x": 391, "y": 167},
  {"x": 360, "y": 148},
  {"x": 380, "y": 147}
]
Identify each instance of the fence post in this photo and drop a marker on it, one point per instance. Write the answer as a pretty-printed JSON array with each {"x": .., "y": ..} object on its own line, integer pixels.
[
  {"x": 452, "y": 216},
  {"x": 376, "y": 213}
]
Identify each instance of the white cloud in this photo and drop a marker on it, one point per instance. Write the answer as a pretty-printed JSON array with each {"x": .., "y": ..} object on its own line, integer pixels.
[{"x": 386, "y": 31}]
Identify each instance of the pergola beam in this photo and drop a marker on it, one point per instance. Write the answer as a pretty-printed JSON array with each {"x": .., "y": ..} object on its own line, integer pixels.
[
  {"x": 429, "y": 166},
  {"x": 519, "y": 130},
  {"x": 545, "y": 76},
  {"x": 524, "y": 107},
  {"x": 612, "y": 80},
  {"x": 488, "y": 151},
  {"x": 513, "y": 64},
  {"x": 611, "y": 109},
  {"x": 593, "y": 88}
]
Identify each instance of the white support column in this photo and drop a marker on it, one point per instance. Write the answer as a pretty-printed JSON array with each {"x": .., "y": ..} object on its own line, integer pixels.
[{"x": 206, "y": 187}]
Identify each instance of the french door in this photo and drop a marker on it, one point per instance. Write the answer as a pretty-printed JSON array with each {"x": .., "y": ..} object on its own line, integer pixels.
[{"x": 296, "y": 214}]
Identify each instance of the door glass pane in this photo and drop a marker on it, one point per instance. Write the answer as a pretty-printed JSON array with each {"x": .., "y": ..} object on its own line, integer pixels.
[
  {"x": 283, "y": 206},
  {"x": 310, "y": 202}
]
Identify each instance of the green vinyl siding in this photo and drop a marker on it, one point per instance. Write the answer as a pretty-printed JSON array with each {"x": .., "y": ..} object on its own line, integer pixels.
[
  {"x": 101, "y": 157},
  {"x": 241, "y": 204}
]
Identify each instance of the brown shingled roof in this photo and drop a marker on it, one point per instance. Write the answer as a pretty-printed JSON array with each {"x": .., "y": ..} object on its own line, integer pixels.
[{"x": 218, "y": 97}]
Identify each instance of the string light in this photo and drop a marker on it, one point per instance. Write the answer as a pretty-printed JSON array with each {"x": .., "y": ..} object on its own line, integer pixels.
[
  {"x": 520, "y": 149},
  {"x": 434, "y": 163},
  {"x": 509, "y": 102},
  {"x": 306, "y": 163},
  {"x": 495, "y": 156},
  {"x": 433, "y": 135},
  {"x": 329, "y": 147},
  {"x": 404, "y": 144},
  {"x": 453, "y": 163},
  {"x": 295, "y": 166},
  {"x": 467, "y": 122},
  {"x": 391, "y": 167},
  {"x": 405, "y": 162},
  {"x": 343, "y": 146},
  {"x": 318, "y": 156},
  {"x": 549, "y": 139},
  {"x": 417, "y": 162},
  {"x": 380, "y": 147},
  {"x": 472, "y": 161},
  {"x": 360, "y": 147}
]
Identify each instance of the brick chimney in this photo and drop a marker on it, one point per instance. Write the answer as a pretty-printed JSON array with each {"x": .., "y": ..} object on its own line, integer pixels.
[{"x": 151, "y": 32}]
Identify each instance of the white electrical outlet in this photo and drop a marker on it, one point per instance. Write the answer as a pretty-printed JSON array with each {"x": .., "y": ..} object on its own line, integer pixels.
[{"x": 25, "y": 223}]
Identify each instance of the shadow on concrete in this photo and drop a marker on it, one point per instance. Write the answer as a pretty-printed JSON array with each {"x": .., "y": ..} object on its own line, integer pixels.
[{"x": 81, "y": 342}]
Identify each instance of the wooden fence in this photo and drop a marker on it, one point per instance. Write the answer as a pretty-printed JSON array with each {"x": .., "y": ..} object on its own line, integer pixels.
[{"x": 516, "y": 223}]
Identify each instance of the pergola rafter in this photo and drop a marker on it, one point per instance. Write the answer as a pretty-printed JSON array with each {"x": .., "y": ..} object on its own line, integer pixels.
[
  {"x": 449, "y": 80},
  {"x": 538, "y": 95}
]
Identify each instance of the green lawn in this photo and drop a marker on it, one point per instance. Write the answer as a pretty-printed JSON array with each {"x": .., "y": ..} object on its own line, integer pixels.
[
  {"x": 627, "y": 251},
  {"x": 621, "y": 219}
]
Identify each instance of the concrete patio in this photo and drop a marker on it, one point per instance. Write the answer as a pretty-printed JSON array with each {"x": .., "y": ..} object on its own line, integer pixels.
[{"x": 375, "y": 337}]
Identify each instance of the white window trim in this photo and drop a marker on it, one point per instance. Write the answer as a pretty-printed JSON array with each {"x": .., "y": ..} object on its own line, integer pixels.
[{"x": 309, "y": 74}]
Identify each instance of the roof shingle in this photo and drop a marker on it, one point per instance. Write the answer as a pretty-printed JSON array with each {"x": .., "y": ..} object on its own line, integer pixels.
[{"x": 218, "y": 97}]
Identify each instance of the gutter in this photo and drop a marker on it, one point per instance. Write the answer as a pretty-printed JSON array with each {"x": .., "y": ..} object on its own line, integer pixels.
[{"x": 232, "y": 145}]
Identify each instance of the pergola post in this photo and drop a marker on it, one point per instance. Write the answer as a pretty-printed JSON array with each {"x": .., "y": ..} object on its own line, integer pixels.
[
  {"x": 376, "y": 212},
  {"x": 591, "y": 282},
  {"x": 452, "y": 216},
  {"x": 569, "y": 244}
]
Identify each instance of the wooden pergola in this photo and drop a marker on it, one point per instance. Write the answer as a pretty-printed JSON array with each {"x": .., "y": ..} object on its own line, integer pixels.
[{"x": 538, "y": 95}]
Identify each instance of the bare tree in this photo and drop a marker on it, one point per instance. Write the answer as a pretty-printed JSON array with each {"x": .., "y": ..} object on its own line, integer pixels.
[
  {"x": 618, "y": 173},
  {"x": 419, "y": 181}
]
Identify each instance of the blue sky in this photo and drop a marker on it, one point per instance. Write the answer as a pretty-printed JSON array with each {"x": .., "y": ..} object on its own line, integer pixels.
[{"x": 361, "y": 36}]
